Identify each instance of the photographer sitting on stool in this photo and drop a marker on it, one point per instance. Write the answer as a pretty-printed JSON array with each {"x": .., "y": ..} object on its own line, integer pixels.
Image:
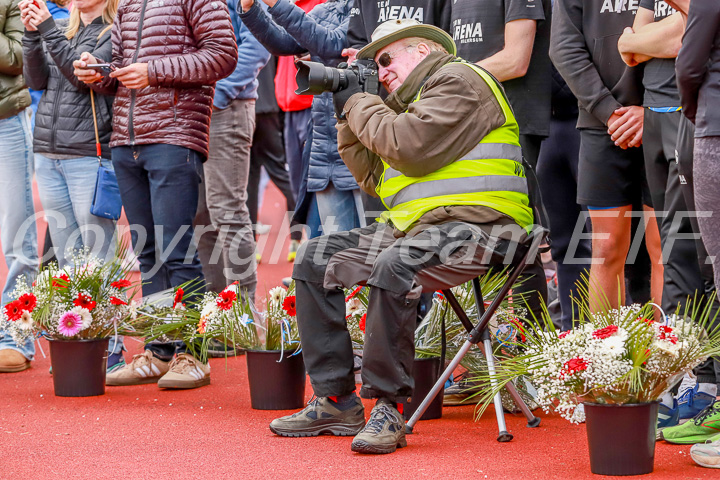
[{"x": 442, "y": 152}]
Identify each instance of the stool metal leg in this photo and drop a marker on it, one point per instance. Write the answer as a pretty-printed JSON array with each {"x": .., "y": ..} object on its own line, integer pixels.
[{"x": 503, "y": 435}]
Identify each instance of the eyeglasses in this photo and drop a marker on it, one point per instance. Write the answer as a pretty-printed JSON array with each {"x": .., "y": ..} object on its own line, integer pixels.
[{"x": 386, "y": 58}]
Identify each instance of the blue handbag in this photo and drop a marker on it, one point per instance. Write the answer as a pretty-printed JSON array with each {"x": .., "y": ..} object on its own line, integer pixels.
[{"x": 106, "y": 202}]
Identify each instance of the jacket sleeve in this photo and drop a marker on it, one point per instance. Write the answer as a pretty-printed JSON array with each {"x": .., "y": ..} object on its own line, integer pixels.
[
  {"x": 35, "y": 68},
  {"x": 63, "y": 54},
  {"x": 277, "y": 41},
  {"x": 11, "y": 47},
  {"x": 252, "y": 57},
  {"x": 108, "y": 85},
  {"x": 569, "y": 53},
  {"x": 216, "y": 54},
  {"x": 364, "y": 165},
  {"x": 439, "y": 128},
  {"x": 305, "y": 29},
  {"x": 692, "y": 62}
]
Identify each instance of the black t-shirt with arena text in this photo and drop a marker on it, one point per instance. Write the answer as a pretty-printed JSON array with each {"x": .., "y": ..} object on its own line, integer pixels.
[
  {"x": 478, "y": 28},
  {"x": 659, "y": 77}
]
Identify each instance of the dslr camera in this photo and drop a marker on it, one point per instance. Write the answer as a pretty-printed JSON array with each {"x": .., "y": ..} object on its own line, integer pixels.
[{"x": 315, "y": 78}]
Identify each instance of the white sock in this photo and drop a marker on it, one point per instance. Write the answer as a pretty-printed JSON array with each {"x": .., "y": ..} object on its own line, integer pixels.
[
  {"x": 667, "y": 399},
  {"x": 708, "y": 388},
  {"x": 689, "y": 380}
]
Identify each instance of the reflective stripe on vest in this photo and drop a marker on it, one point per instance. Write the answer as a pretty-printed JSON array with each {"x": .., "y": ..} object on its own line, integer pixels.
[{"x": 490, "y": 175}]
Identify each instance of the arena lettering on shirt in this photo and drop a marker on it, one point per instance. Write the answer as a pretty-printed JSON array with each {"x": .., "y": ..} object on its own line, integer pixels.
[
  {"x": 619, "y": 6},
  {"x": 396, "y": 12},
  {"x": 467, "y": 32},
  {"x": 663, "y": 10}
]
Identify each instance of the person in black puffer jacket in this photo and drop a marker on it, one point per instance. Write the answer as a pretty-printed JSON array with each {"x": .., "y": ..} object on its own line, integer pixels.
[{"x": 66, "y": 160}]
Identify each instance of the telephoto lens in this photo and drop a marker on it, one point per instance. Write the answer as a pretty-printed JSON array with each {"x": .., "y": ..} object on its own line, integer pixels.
[{"x": 315, "y": 78}]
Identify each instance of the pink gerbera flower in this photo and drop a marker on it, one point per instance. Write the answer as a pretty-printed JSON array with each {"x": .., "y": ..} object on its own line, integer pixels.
[{"x": 70, "y": 324}]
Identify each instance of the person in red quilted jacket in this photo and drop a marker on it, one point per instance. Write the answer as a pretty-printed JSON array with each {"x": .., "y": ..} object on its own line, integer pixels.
[{"x": 167, "y": 56}]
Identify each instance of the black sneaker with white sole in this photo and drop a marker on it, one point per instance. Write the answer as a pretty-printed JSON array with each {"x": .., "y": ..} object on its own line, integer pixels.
[{"x": 321, "y": 417}]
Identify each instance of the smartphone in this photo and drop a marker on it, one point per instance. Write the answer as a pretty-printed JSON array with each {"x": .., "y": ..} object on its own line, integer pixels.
[{"x": 103, "y": 68}]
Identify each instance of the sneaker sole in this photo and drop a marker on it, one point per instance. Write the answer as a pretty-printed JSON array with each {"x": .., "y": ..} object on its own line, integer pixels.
[
  {"x": 130, "y": 381},
  {"x": 179, "y": 384},
  {"x": 15, "y": 368},
  {"x": 689, "y": 440},
  {"x": 361, "y": 446},
  {"x": 705, "y": 460},
  {"x": 338, "y": 430}
]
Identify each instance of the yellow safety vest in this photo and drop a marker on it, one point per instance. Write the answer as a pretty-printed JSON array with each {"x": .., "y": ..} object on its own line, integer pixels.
[{"x": 490, "y": 175}]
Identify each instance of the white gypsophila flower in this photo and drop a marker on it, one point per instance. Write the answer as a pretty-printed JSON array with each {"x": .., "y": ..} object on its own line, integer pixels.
[
  {"x": 209, "y": 309},
  {"x": 85, "y": 315},
  {"x": 26, "y": 321},
  {"x": 353, "y": 307},
  {"x": 233, "y": 287},
  {"x": 614, "y": 345},
  {"x": 277, "y": 295}
]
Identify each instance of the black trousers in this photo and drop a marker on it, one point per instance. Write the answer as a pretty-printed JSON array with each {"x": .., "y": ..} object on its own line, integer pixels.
[
  {"x": 268, "y": 151},
  {"x": 709, "y": 371},
  {"x": 397, "y": 271},
  {"x": 682, "y": 274},
  {"x": 557, "y": 172}
]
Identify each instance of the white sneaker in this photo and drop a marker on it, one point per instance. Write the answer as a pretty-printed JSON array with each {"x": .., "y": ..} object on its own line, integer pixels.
[{"x": 186, "y": 371}]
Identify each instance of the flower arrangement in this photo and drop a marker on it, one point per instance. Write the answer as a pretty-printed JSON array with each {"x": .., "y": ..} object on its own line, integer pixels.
[
  {"x": 356, "y": 304},
  {"x": 88, "y": 300},
  {"x": 620, "y": 356}
]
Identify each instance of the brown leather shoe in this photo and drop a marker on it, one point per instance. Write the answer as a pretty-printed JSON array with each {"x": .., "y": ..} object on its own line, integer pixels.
[{"x": 12, "y": 361}]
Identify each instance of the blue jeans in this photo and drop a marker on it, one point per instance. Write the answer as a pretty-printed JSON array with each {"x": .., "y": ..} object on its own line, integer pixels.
[
  {"x": 332, "y": 210},
  {"x": 159, "y": 187},
  {"x": 18, "y": 233},
  {"x": 295, "y": 133},
  {"x": 66, "y": 191}
]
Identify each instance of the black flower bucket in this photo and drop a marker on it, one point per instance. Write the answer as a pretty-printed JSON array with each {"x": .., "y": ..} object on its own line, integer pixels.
[
  {"x": 276, "y": 385},
  {"x": 621, "y": 438},
  {"x": 78, "y": 367},
  {"x": 425, "y": 372}
]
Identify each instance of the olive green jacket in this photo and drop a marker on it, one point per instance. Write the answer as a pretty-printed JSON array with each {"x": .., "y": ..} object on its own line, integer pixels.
[
  {"x": 455, "y": 111},
  {"x": 14, "y": 95}
]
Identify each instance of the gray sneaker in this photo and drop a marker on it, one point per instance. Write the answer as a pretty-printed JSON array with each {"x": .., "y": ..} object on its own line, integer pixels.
[
  {"x": 321, "y": 417},
  {"x": 384, "y": 432}
]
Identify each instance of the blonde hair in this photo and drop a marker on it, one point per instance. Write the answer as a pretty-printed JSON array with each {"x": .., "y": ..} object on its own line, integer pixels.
[{"x": 108, "y": 17}]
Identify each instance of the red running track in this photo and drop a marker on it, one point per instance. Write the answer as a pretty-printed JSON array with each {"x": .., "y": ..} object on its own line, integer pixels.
[{"x": 142, "y": 432}]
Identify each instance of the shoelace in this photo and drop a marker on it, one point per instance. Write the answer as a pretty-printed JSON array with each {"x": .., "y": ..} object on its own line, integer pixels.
[
  {"x": 311, "y": 406},
  {"x": 379, "y": 415},
  {"x": 688, "y": 396},
  {"x": 711, "y": 409},
  {"x": 181, "y": 364}
]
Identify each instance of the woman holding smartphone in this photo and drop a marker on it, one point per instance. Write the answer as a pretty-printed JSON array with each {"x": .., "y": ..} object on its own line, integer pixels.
[{"x": 66, "y": 159}]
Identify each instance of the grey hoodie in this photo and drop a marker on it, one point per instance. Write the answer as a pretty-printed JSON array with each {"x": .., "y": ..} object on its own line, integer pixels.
[{"x": 583, "y": 47}]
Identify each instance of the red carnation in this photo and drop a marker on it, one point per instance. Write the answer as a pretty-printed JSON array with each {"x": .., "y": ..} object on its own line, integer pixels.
[
  {"x": 178, "y": 297},
  {"x": 666, "y": 333},
  {"x": 28, "y": 301},
  {"x": 574, "y": 365},
  {"x": 362, "y": 322},
  {"x": 289, "y": 305},
  {"x": 606, "y": 332},
  {"x": 120, "y": 284},
  {"x": 117, "y": 301},
  {"x": 14, "y": 310},
  {"x": 226, "y": 299},
  {"x": 84, "y": 301},
  {"x": 60, "y": 284},
  {"x": 563, "y": 334}
]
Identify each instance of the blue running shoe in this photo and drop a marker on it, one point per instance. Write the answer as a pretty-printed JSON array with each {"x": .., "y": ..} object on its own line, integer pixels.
[
  {"x": 692, "y": 402},
  {"x": 667, "y": 416}
]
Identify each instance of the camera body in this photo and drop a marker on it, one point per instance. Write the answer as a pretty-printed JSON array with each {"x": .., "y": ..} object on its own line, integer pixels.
[{"x": 315, "y": 78}]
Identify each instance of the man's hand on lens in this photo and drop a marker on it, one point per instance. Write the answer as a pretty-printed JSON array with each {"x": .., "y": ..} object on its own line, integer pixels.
[
  {"x": 83, "y": 74},
  {"x": 340, "y": 98},
  {"x": 134, "y": 76},
  {"x": 625, "y": 126}
]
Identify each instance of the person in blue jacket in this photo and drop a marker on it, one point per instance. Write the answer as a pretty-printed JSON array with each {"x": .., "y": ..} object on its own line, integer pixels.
[{"x": 329, "y": 198}]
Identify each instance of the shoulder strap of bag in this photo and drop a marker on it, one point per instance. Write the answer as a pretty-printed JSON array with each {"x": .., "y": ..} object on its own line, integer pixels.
[{"x": 98, "y": 148}]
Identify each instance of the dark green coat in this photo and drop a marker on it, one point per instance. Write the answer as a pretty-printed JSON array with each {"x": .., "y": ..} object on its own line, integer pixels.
[{"x": 14, "y": 95}]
